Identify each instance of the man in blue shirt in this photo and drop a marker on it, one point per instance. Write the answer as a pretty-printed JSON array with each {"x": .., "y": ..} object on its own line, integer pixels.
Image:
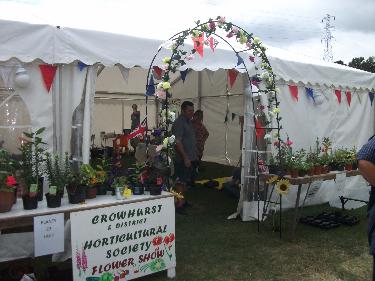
[
  {"x": 186, "y": 150},
  {"x": 366, "y": 165}
]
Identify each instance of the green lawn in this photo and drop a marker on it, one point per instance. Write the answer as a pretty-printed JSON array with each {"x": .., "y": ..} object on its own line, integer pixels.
[{"x": 209, "y": 247}]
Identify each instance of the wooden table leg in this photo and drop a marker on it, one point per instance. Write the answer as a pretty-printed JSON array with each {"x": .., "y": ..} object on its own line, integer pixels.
[{"x": 296, "y": 210}]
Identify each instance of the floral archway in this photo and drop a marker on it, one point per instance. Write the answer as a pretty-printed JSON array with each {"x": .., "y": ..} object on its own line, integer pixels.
[{"x": 263, "y": 118}]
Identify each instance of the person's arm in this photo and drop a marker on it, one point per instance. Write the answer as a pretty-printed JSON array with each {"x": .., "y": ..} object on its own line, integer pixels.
[
  {"x": 181, "y": 151},
  {"x": 178, "y": 131},
  {"x": 205, "y": 133},
  {"x": 367, "y": 170}
]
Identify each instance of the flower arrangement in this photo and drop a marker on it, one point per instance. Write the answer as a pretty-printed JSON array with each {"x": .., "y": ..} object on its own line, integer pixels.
[{"x": 88, "y": 175}]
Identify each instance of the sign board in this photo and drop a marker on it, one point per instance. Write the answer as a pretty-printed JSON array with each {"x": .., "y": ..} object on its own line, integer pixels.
[
  {"x": 123, "y": 242},
  {"x": 48, "y": 234}
]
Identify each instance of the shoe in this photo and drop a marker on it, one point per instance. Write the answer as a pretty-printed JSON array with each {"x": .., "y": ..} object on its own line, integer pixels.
[
  {"x": 187, "y": 204},
  {"x": 181, "y": 211}
]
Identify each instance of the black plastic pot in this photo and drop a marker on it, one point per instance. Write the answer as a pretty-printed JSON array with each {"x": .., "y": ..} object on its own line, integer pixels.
[
  {"x": 53, "y": 201},
  {"x": 155, "y": 190},
  {"x": 138, "y": 190},
  {"x": 101, "y": 189},
  {"x": 30, "y": 203},
  {"x": 78, "y": 195}
]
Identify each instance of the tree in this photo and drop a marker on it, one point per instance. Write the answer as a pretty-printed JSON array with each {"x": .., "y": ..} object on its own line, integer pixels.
[
  {"x": 361, "y": 63},
  {"x": 340, "y": 62}
]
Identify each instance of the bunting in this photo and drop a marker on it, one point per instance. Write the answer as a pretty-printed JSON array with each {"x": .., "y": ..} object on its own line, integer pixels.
[
  {"x": 150, "y": 90},
  {"x": 310, "y": 93},
  {"x": 294, "y": 91},
  {"x": 81, "y": 65},
  {"x": 183, "y": 74},
  {"x": 158, "y": 72},
  {"x": 259, "y": 130},
  {"x": 48, "y": 73},
  {"x": 338, "y": 95},
  {"x": 371, "y": 96},
  {"x": 239, "y": 60},
  {"x": 198, "y": 44},
  {"x": 232, "y": 73},
  {"x": 212, "y": 42},
  {"x": 348, "y": 97}
]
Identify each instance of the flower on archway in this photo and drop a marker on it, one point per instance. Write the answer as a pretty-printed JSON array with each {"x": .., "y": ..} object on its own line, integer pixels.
[{"x": 283, "y": 187}]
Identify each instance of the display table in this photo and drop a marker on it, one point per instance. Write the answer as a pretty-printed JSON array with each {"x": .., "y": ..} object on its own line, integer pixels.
[
  {"x": 128, "y": 238},
  {"x": 19, "y": 217},
  {"x": 299, "y": 181}
]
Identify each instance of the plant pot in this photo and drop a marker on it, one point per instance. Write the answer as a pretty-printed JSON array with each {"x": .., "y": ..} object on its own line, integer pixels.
[
  {"x": 53, "y": 201},
  {"x": 138, "y": 190},
  {"x": 311, "y": 171},
  {"x": 294, "y": 173},
  {"x": 30, "y": 203},
  {"x": 90, "y": 192},
  {"x": 40, "y": 188},
  {"x": 155, "y": 190},
  {"x": 6, "y": 201},
  {"x": 317, "y": 170},
  {"x": 348, "y": 167},
  {"x": 101, "y": 189},
  {"x": 77, "y": 194}
]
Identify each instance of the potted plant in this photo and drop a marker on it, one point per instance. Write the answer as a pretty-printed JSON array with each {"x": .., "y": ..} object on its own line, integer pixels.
[
  {"x": 32, "y": 156},
  {"x": 88, "y": 178},
  {"x": 101, "y": 178},
  {"x": 339, "y": 159},
  {"x": 136, "y": 177},
  {"x": 8, "y": 167},
  {"x": 120, "y": 184},
  {"x": 350, "y": 159},
  {"x": 56, "y": 174},
  {"x": 7, "y": 194}
]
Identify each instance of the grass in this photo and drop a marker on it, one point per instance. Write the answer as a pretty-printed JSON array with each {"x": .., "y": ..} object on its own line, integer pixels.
[{"x": 209, "y": 247}]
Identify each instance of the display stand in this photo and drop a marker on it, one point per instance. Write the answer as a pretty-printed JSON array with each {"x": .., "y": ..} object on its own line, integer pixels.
[{"x": 299, "y": 181}]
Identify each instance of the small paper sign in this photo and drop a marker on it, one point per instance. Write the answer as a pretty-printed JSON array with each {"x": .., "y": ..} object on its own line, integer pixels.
[
  {"x": 48, "y": 234},
  {"x": 52, "y": 190},
  {"x": 33, "y": 187}
]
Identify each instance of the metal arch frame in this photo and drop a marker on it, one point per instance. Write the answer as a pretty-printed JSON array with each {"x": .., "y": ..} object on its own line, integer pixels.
[{"x": 185, "y": 34}]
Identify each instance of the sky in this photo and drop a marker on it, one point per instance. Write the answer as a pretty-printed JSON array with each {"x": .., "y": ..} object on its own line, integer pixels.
[{"x": 293, "y": 25}]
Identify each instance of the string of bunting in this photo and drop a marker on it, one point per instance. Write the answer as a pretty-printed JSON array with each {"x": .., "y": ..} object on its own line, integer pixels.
[{"x": 338, "y": 92}]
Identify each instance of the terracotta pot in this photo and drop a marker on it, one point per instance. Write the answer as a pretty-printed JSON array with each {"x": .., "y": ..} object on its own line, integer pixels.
[
  {"x": 348, "y": 167},
  {"x": 311, "y": 171},
  {"x": 155, "y": 190},
  {"x": 317, "y": 170},
  {"x": 90, "y": 192},
  {"x": 294, "y": 173},
  {"x": 6, "y": 201}
]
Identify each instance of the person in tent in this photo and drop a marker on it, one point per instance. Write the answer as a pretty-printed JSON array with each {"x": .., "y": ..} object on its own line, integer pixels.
[
  {"x": 366, "y": 165},
  {"x": 135, "y": 119},
  {"x": 201, "y": 134},
  {"x": 186, "y": 152}
]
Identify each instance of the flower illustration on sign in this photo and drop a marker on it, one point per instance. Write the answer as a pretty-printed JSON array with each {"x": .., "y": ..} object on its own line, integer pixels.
[
  {"x": 157, "y": 240},
  {"x": 154, "y": 266}
]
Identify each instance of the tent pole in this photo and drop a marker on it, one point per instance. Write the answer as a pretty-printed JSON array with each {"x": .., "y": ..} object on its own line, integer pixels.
[{"x": 199, "y": 90}]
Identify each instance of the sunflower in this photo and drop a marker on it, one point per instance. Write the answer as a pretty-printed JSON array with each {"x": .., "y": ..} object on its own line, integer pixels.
[
  {"x": 283, "y": 187},
  {"x": 272, "y": 180}
]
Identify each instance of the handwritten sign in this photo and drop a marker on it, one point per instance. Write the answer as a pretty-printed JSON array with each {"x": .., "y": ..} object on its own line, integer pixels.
[
  {"x": 48, "y": 234},
  {"x": 123, "y": 242}
]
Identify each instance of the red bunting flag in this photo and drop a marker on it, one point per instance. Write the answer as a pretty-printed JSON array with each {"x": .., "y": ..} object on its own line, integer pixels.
[
  {"x": 294, "y": 91},
  {"x": 338, "y": 95},
  {"x": 348, "y": 97},
  {"x": 198, "y": 44},
  {"x": 232, "y": 73},
  {"x": 211, "y": 41},
  {"x": 158, "y": 72},
  {"x": 48, "y": 73},
  {"x": 259, "y": 130}
]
